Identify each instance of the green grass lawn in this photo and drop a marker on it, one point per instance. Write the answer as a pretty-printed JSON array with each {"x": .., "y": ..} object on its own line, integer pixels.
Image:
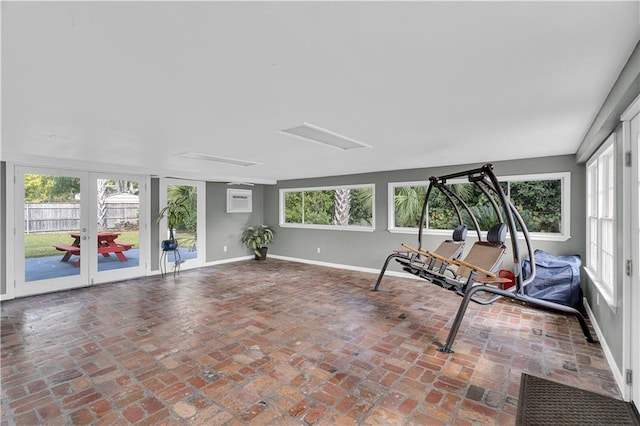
[{"x": 38, "y": 245}]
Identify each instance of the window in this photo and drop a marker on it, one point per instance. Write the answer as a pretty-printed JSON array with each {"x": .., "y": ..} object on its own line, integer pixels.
[
  {"x": 343, "y": 207},
  {"x": 542, "y": 200},
  {"x": 600, "y": 219}
]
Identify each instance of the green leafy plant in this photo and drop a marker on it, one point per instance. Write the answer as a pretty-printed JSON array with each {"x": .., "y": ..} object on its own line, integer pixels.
[
  {"x": 176, "y": 211},
  {"x": 257, "y": 237}
]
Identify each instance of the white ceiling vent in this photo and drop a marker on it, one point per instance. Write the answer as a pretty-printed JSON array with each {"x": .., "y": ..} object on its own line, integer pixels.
[
  {"x": 319, "y": 135},
  {"x": 196, "y": 156}
]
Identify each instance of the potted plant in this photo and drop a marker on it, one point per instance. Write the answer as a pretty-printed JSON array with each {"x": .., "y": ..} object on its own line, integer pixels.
[
  {"x": 176, "y": 212},
  {"x": 257, "y": 238}
]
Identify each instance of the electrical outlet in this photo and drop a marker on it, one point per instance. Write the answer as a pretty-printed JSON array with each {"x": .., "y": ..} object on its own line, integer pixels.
[
  {"x": 318, "y": 249},
  {"x": 224, "y": 249}
]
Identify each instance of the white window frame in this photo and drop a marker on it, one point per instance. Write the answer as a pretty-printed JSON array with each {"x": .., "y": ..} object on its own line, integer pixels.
[
  {"x": 600, "y": 262},
  {"x": 371, "y": 228},
  {"x": 564, "y": 177},
  {"x": 201, "y": 219}
]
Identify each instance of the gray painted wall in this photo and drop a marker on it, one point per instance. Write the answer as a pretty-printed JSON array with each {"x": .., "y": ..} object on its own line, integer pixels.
[
  {"x": 610, "y": 320},
  {"x": 625, "y": 89},
  {"x": 154, "y": 209},
  {"x": 369, "y": 249},
  {"x": 3, "y": 227},
  {"x": 224, "y": 229}
]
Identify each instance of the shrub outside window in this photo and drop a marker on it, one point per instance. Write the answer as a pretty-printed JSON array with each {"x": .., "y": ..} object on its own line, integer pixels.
[
  {"x": 542, "y": 200},
  {"x": 342, "y": 207}
]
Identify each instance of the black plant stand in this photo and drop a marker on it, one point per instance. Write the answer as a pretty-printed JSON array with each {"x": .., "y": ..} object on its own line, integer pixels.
[{"x": 177, "y": 261}]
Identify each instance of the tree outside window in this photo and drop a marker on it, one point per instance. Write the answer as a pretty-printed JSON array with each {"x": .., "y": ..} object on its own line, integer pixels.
[
  {"x": 348, "y": 207},
  {"x": 539, "y": 200}
]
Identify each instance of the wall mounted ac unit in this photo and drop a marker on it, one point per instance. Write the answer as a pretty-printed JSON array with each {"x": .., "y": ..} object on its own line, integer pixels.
[{"x": 239, "y": 200}]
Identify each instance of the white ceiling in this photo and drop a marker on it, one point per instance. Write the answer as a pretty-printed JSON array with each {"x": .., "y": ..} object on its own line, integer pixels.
[{"x": 123, "y": 86}]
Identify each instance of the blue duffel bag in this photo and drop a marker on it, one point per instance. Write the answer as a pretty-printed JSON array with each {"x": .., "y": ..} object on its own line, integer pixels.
[{"x": 557, "y": 279}]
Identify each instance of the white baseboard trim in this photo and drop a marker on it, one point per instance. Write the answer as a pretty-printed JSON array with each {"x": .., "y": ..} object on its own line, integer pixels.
[
  {"x": 230, "y": 260},
  {"x": 343, "y": 266},
  {"x": 617, "y": 375},
  {"x": 212, "y": 263}
]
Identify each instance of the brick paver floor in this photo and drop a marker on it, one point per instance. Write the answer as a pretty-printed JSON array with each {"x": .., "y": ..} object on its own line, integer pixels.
[{"x": 279, "y": 343}]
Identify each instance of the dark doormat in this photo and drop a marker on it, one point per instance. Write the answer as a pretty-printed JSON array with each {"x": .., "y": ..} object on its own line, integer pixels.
[{"x": 542, "y": 402}]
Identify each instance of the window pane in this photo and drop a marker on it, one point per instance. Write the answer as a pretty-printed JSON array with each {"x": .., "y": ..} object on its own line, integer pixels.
[
  {"x": 293, "y": 207},
  {"x": 342, "y": 206},
  {"x": 600, "y": 218},
  {"x": 442, "y": 213},
  {"x": 592, "y": 188},
  {"x": 348, "y": 206},
  {"x": 51, "y": 216},
  {"x": 607, "y": 251},
  {"x": 118, "y": 213},
  {"x": 539, "y": 203},
  {"x": 608, "y": 186},
  {"x": 408, "y": 202},
  {"x": 361, "y": 213},
  {"x": 479, "y": 205},
  {"x": 318, "y": 207},
  {"x": 187, "y": 232},
  {"x": 592, "y": 260}
]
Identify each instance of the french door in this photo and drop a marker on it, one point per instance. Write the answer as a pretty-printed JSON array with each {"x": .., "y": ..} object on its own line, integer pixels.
[
  {"x": 191, "y": 234},
  {"x": 75, "y": 229}
]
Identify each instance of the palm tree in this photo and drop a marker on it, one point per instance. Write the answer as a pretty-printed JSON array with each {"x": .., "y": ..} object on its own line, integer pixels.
[
  {"x": 189, "y": 196},
  {"x": 361, "y": 207},
  {"x": 102, "y": 206},
  {"x": 408, "y": 202},
  {"x": 463, "y": 190},
  {"x": 341, "y": 206},
  {"x": 485, "y": 215}
]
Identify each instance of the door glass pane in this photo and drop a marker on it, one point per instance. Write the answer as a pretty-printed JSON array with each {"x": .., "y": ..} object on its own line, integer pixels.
[
  {"x": 51, "y": 221},
  {"x": 118, "y": 214},
  {"x": 186, "y": 232}
]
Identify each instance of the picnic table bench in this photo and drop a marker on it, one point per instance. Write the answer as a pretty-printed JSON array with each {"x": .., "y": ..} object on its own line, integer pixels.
[{"x": 107, "y": 244}]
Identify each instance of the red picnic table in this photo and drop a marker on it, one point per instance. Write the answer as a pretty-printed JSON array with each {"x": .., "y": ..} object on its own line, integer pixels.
[{"x": 107, "y": 244}]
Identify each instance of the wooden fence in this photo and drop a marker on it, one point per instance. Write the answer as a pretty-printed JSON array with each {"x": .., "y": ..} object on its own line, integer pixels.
[{"x": 64, "y": 217}]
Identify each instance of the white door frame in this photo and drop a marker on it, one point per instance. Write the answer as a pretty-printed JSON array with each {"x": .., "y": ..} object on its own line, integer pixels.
[
  {"x": 81, "y": 279},
  {"x": 88, "y": 273},
  {"x": 9, "y": 234},
  {"x": 201, "y": 221},
  {"x": 631, "y": 234},
  {"x": 143, "y": 239}
]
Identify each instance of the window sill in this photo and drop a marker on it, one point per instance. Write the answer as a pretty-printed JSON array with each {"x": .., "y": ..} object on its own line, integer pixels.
[
  {"x": 329, "y": 227},
  {"x": 603, "y": 290},
  {"x": 535, "y": 236}
]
